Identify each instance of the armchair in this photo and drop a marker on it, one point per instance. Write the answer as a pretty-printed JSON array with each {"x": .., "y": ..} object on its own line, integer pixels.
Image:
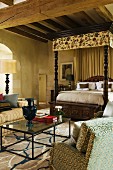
[{"x": 89, "y": 150}]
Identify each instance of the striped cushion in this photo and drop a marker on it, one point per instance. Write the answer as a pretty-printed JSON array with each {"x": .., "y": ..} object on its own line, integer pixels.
[{"x": 5, "y": 106}]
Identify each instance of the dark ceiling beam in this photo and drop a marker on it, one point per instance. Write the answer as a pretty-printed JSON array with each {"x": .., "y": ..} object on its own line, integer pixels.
[
  {"x": 8, "y": 2},
  {"x": 69, "y": 21},
  {"x": 95, "y": 16},
  {"x": 61, "y": 21},
  {"x": 83, "y": 30},
  {"x": 38, "y": 25},
  {"x": 33, "y": 32},
  {"x": 84, "y": 19},
  {"x": 55, "y": 24},
  {"x": 103, "y": 12},
  {"x": 25, "y": 34}
]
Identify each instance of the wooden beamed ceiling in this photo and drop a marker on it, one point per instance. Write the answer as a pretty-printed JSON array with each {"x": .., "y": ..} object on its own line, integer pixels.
[
  {"x": 48, "y": 19},
  {"x": 8, "y": 2}
]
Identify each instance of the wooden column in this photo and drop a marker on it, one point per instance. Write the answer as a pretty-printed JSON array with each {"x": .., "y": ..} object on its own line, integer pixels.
[
  {"x": 105, "y": 75},
  {"x": 56, "y": 74}
]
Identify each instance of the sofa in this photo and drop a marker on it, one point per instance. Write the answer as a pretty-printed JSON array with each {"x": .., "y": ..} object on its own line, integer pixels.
[
  {"x": 90, "y": 146},
  {"x": 10, "y": 109}
]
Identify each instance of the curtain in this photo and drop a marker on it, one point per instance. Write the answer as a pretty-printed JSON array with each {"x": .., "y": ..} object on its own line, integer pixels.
[
  {"x": 110, "y": 62},
  {"x": 88, "y": 62}
]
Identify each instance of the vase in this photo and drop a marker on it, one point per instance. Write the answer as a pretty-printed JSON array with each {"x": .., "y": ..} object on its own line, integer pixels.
[
  {"x": 60, "y": 118},
  {"x": 29, "y": 112}
]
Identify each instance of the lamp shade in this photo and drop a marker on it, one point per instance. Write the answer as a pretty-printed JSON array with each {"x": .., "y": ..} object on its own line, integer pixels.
[
  {"x": 7, "y": 66},
  {"x": 70, "y": 77}
]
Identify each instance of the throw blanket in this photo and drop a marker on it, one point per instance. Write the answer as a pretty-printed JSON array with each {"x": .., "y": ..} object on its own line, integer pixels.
[
  {"x": 102, "y": 153},
  {"x": 81, "y": 97}
]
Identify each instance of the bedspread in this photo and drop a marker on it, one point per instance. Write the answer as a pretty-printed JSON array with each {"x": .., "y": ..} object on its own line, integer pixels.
[{"x": 81, "y": 97}]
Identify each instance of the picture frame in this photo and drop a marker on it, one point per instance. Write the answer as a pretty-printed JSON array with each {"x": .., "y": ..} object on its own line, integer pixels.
[{"x": 65, "y": 68}]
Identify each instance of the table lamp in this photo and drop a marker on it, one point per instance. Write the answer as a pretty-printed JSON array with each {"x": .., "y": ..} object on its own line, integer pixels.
[
  {"x": 7, "y": 66},
  {"x": 70, "y": 78}
]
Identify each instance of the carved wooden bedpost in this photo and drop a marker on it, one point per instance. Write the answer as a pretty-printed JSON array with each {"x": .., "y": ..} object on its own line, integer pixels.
[
  {"x": 105, "y": 75},
  {"x": 56, "y": 74}
]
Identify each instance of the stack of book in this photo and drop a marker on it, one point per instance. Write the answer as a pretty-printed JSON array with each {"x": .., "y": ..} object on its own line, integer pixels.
[{"x": 42, "y": 117}]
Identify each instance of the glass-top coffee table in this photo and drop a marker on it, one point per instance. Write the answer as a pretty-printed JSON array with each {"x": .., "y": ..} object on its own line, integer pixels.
[{"x": 30, "y": 132}]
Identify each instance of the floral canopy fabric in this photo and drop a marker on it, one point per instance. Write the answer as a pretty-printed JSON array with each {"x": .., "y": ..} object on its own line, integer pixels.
[{"x": 95, "y": 39}]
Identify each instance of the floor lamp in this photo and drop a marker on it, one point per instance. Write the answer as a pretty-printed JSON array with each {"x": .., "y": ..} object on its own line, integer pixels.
[{"x": 7, "y": 67}]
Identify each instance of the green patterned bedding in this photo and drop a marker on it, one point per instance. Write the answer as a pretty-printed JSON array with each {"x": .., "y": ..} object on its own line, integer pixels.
[{"x": 101, "y": 157}]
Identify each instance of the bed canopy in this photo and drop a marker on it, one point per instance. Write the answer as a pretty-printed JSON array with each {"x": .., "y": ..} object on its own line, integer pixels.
[{"x": 86, "y": 37}]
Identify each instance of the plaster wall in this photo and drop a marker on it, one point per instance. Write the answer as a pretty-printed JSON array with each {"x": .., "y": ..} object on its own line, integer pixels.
[
  {"x": 27, "y": 52},
  {"x": 33, "y": 58}
]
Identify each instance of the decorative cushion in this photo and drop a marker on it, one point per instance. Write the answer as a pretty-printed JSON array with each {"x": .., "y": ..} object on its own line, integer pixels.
[
  {"x": 76, "y": 130},
  {"x": 4, "y": 106},
  {"x": 90, "y": 145},
  {"x": 108, "y": 111},
  {"x": 83, "y": 138},
  {"x": 84, "y": 85},
  {"x": 98, "y": 114},
  {"x": 12, "y": 99},
  {"x": 92, "y": 86},
  {"x": 1, "y": 97}
]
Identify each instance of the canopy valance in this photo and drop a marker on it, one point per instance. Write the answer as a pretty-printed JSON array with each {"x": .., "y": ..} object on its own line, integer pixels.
[{"x": 94, "y": 39}]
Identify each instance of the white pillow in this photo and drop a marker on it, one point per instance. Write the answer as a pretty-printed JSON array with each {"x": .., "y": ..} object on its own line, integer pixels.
[
  {"x": 76, "y": 130},
  {"x": 85, "y": 89},
  {"x": 99, "y": 85},
  {"x": 92, "y": 86},
  {"x": 82, "y": 89},
  {"x": 108, "y": 111}
]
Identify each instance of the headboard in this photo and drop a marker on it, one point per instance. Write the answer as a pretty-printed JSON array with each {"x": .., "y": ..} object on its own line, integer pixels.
[{"x": 96, "y": 79}]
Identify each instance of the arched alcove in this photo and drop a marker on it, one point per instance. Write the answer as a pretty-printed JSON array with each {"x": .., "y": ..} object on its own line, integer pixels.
[{"x": 5, "y": 53}]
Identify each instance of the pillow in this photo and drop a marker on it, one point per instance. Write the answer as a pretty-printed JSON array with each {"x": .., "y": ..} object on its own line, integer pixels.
[
  {"x": 76, "y": 130},
  {"x": 83, "y": 138},
  {"x": 12, "y": 99},
  {"x": 108, "y": 111},
  {"x": 1, "y": 97},
  {"x": 99, "y": 85},
  {"x": 90, "y": 146},
  {"x": 98, "y": 114},
  {"x": 92, "y": 86},
  {"x": 83, "y": 89},
  {"x": 4, "y": 106},
  {"x": 84, "y": 85}
]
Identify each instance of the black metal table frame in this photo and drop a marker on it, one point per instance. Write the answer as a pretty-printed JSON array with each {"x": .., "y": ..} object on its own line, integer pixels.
[{"x": 4, "y": 148}]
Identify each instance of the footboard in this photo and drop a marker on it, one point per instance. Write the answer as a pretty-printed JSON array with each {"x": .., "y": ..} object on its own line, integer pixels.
[{"x": 76, "y": 111}]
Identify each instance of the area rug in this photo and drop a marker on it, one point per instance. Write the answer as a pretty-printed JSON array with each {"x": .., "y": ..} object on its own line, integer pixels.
[{"x": 9, "y": 161}]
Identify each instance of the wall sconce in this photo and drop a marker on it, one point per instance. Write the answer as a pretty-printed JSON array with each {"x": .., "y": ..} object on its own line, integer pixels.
[
  {"x": 70, "y": 78},
  {"x": 7, "y": 67}
]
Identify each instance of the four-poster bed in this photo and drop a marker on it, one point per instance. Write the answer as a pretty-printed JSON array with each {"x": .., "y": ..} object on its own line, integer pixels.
[{"x": 104, "y": 37}]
